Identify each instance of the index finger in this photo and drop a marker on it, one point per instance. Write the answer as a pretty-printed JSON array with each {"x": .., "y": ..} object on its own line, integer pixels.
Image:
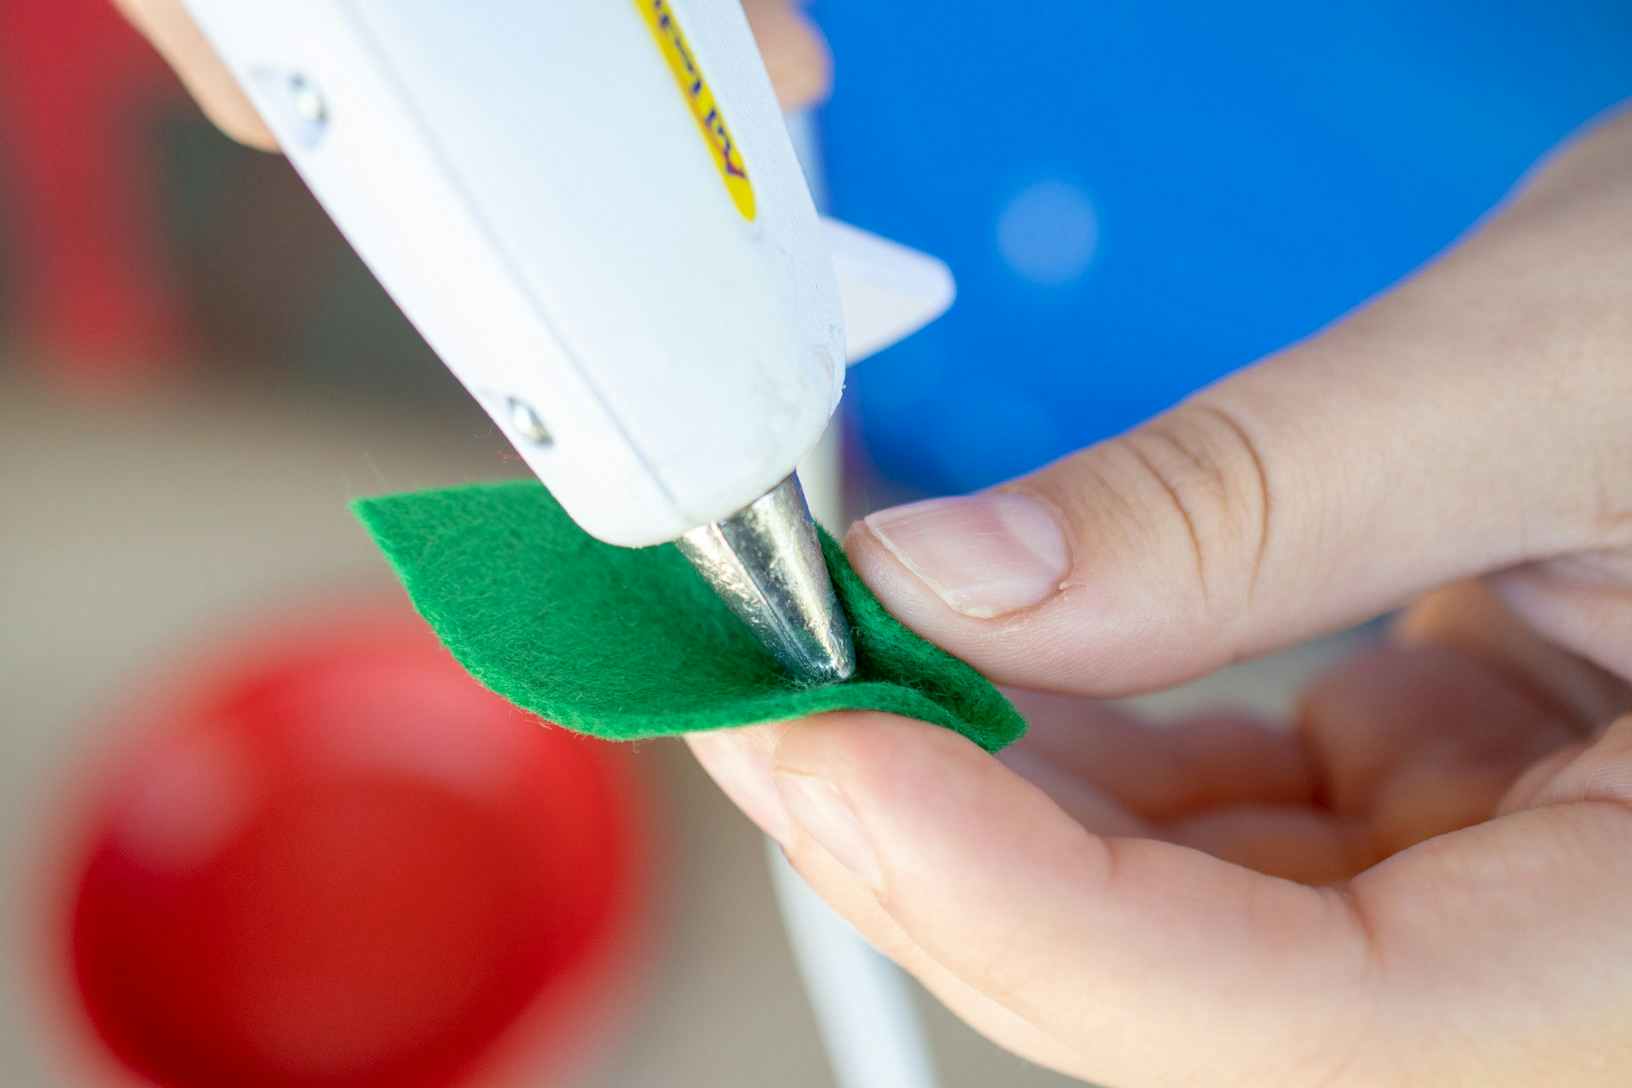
[
  {"x": 173, "y": 33},
  {"x": 1148, "y": 960}
]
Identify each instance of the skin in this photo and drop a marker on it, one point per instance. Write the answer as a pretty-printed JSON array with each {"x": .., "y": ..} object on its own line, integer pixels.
[
  {"x": 1423, "y": 877},
  {"x": 1420, "y": 879}
]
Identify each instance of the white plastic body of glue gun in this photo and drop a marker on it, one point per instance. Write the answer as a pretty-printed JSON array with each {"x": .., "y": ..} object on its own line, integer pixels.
[{"x": 591, "y": 211}]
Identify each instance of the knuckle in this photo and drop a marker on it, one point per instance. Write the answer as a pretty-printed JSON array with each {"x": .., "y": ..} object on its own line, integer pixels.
[{"x": 1215, "y": 481}]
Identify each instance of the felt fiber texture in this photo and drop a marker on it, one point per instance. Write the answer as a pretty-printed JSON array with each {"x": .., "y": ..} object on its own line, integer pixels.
[{"x": 624, "y": 643}]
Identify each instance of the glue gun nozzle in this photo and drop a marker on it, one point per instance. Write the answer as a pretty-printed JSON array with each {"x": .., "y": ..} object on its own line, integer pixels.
[{"x": 765, "y": 562}]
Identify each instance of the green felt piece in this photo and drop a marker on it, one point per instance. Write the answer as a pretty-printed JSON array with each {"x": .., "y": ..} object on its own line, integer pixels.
[{"x": 624, "y": 643}]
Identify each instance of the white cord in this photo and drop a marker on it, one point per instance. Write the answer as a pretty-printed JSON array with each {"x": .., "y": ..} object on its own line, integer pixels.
[{"x": 864, "y": 1008}]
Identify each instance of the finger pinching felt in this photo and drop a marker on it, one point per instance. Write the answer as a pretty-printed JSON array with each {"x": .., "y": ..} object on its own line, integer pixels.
[{"x": 625, "y": 643}]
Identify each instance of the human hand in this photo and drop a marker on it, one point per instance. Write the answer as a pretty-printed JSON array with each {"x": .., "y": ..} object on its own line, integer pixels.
[
  {"x": 1427, "y": 879},
  {"x": 794, "y": 55}
]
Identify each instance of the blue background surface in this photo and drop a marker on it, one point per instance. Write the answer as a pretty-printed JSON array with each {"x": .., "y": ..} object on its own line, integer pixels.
[{"x": 1233, "y": 178}]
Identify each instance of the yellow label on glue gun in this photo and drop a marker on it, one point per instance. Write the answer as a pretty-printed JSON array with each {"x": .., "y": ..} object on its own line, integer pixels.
[{"x": 688, "y": 76}]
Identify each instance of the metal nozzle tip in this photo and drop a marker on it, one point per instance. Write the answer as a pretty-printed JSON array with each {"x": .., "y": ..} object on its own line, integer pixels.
[{"x": 765, "y": 562}]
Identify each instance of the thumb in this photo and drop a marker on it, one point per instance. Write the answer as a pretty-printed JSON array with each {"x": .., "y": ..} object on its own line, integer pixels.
[{"x": 1464, "y": 423}]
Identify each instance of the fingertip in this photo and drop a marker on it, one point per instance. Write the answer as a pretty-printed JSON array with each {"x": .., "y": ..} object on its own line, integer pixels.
[
  {"x": 983, "y": 556},
  {"x": 936, "y": 809},
  {"x": 794, "y": 51},
  {"x": 874, "y": 752},
  {"x": 177, "y": 38},
  {"x": 739, "y": 762},
  {"x": 902, "y": 592},
  {"x": 1599, "y": 772},
  {"x": 233, "y": 114},
  {"x": 993, "y": 583},
  {"x": 1025, "y": 649},
  {"x": 885, "y": 762}
]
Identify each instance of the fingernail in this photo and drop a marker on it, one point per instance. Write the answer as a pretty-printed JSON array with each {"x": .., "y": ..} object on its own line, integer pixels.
[
  {"x": 742, "y": 769},
  {"x": 983, "y": 555},
  {"x": 821, "y": 811}
]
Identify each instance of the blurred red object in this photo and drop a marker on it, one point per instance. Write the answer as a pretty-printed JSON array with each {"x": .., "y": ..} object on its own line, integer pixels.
[
  {"x": 334, "y": 860},
  {"x": 79, "y": 92}
]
